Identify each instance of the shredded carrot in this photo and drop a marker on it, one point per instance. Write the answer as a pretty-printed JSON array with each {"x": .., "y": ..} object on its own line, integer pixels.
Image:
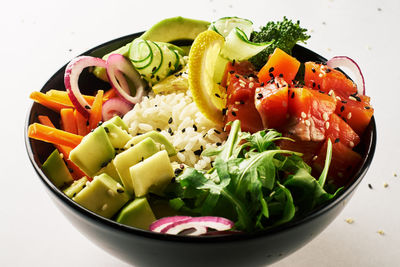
[
  {"x": 62, "y": 97},
  {"x": 68, "y": 120},
  {"x": 48, "y": 101},
  {"x": 81, "y": 123},
  {"x": 95, "y": 113},
  {"x": 52, "y": 135},
  {"x": 76, "y": 172},
  {"x": 109, "y": 94}
]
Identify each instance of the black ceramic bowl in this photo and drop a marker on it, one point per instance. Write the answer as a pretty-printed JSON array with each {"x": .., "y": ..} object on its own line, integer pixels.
[{"x": 144, "y": 248}]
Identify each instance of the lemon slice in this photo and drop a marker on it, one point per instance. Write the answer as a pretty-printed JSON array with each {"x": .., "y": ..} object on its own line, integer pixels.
[{"x": 209, "y": 97}]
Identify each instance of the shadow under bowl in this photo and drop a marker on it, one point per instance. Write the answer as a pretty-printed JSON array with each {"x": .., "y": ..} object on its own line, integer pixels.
[{"x": 145, "y": 248}]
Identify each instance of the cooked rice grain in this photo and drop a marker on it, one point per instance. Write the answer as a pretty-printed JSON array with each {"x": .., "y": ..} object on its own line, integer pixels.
[{"x": 189, "y": 130}]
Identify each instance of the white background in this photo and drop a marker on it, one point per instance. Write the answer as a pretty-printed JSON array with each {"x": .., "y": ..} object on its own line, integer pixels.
[{"x": 38, "y": 37}]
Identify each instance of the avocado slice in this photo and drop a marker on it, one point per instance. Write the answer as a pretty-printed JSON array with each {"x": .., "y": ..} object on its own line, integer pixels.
[
  {"x": 103, "y": 196},
  {"x": 157, "y": 137},
  {"x": 119, "y": 122},
  {"x": 111, "y": 171},
  {"x": 130, "y": 157},
  {"x": 56, "y": 170},
  {"x": 94, "y": 152},
  {"x": 76, "y": 187},
  {"x": 176, "y": 28},
  {"x": 152, "y": 175},
  {"x": 118, "y": 136},
  {"x": 137, "y": 213}
]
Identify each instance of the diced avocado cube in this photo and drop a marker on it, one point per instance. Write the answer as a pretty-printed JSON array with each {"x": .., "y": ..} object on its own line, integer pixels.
[
  {"x": 103, "y": 196},
  {"x": 152, "y": 175},
  {"x": 130, "y": 157},
  {"x": 111, "y": 171},
  {"x": 56, "y": 170},
  {"x": 119, "y": 122},
  {"x": 76, "y": 187},
  {"x": 118, "y": 137},
  {"x": 94, "y": 152},
  {"x": 157, "y": 137},
  {"x": 138, "y": 214}
]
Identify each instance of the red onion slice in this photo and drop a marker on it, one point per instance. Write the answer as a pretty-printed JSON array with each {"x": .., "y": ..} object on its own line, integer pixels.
[
  {"x": 71, "y": 77},
  {"x": 115, "y": 107},
  {"x": 179, "y": 224},
  {"x": 351, "y": 65},
  {"x": 118, "y": 65}
]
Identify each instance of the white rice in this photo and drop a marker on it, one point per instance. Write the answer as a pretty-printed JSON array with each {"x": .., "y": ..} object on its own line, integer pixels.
[{"x": 189, "y": 130}]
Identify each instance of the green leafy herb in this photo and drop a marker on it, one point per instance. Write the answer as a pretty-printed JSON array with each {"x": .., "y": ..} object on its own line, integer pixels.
[
  {"x": 253, "y": 182},
  {"x": 284, "y": 34}
]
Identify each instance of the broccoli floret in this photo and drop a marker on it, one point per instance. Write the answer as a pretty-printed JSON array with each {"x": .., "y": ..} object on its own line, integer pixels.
[{"x": 284, "y": 34}]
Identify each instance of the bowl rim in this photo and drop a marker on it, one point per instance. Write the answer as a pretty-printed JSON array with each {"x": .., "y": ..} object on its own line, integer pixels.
[{"x": 358, "y": 177}]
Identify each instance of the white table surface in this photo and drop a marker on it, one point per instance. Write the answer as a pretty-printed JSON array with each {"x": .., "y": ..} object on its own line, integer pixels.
[{"x": 38, "y": 37}]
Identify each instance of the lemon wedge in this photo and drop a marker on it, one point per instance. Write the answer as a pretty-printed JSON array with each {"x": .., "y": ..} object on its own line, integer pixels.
[{"x": 209, "y": 96}]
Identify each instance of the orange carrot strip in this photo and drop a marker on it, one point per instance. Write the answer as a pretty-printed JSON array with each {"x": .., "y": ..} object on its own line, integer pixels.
[
  {"x": 109, "y": 94},
  {"x": 95, "y": 113},
  {"x": 52, "y": 135},
  {"x": 68, "y": 120},
  {"x": 62, "y": 96},
  {"x": 81, "y": 123},
  {"x": 76, "y": 173},
  {"x": 48, "y": 101}
]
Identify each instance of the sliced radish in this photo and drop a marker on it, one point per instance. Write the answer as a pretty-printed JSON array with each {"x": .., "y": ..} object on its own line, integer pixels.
[
  {"x": 117, "y": 67},
  {"x": 71, "y": 77},
  {"x": 192, "y": 226},
  {"x": 160, "y": 224},
  {"x": 115, "y": 107},
  {"x": 352, "y": 66}
]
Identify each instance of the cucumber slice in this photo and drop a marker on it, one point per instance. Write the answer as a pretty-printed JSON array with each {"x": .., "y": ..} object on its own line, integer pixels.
[
  {"x": 238, "y": 47},
  {"x": 225, "y": 25}
]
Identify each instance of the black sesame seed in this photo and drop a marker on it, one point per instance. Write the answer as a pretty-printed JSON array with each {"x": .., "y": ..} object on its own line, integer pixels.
[
  {"x": 183, "y": 130},
  {"x": 292, "y": 96},
  {"x": 74, "y": 194},
  {"x": 241, "y": 102},
  {"x": 341, "y": 108},
  {"x": 231, "y": 71},
  {"x": 313, "y": 70},
  {"x": 218, "y": 143},
  {"x": 70, "y": 170},
  {"x": 237, "y": 76},
  {"x": 216, "y": 131},
  {"x": 158, "y": 130},
  {"x": 262, "y": 84},
  {"x": 132, "y": 145},
  {"x": 83, "y": 186},
  {"x": 182, "y": 150},
  {"x": 152, "y": 76},
  {"x": 233, "y": 62},
  {"x": 104, "y": 164},
  {"x": 370, "y": 186},
  {"x": 344, "y": 102},
  {"x": 169, "y": 64},
  {"x": 195, "y": 127},
  {"x": 177, "y": 75},
  {"x": 119, "y": 190},
  {"x": 233, "y": 113},
  {"x": 366, "y": 107},
  {"x": 313, "y": 85},
  {"x": 327, "y": 70},
  {"x": 177, "y": 171},
  {"x": 322, "y": 92},
  {"x": 271, "y": 75},
  {"x": 337, "y": 140},
  {"x": 87, "y": 107},
  {"x": 154, "y": 69},
  {"x": 259, "y": 96},
  {"x": 281, "y": 75},
  {"x": 217, "y": 95},
  {"x": 170, "y": 131},
  {"x": 158, "y": 78},
  {"x": 224, "y": 111},
  {"x": 204, "y": 135},
  {"x": 319, "y": 86},
  {"x": 106, "y": 129},
  {"x": 170, "y": 120},
  {"x": 100, "y": 123},
  {"x": 271, "y": 69},
  {"x": 197, "y": 152}
]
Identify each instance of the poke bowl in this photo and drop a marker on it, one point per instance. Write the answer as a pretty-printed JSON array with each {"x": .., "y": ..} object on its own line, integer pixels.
[{"x": 142, "y": 247}]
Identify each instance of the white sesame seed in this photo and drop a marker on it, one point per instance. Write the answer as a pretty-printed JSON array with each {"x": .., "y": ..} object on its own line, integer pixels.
[
  {"x": 87, "y": 183},
  {"x": 251, "y": 84},
  {"x": 327, "y": 125},
  {"x": 315, "y": 158},
  {"x": 307, "y": 122},
  {"x": 338, "y": 98},
  {"x": 385, "y": 185},
  {"x": 110, "y": 192},
  {"x": 235, "y": 109},
  {"x": 395, "y": 174},
  {"x": 325, "y": 116},
  {"x": 104, "y": 207},
  {"x": 349, "y": 115},
  {"x": 241, "y": 81},
  {"x": 320, "y": 75},
  {"x": 237, "y": 103},
  {"x": 351, "y": 144},
  {"x": 349, "y": 220},
  {"x": 119, "y": 186},
  {"x": 242, "y": 85},
  {"x": 303, "y": 115},
  {"x": 251, "y": 79},
  {"x": 61, "y": 155},
  {"x": 352, "y": 98},
  {"x": 330, "y": 92}
]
